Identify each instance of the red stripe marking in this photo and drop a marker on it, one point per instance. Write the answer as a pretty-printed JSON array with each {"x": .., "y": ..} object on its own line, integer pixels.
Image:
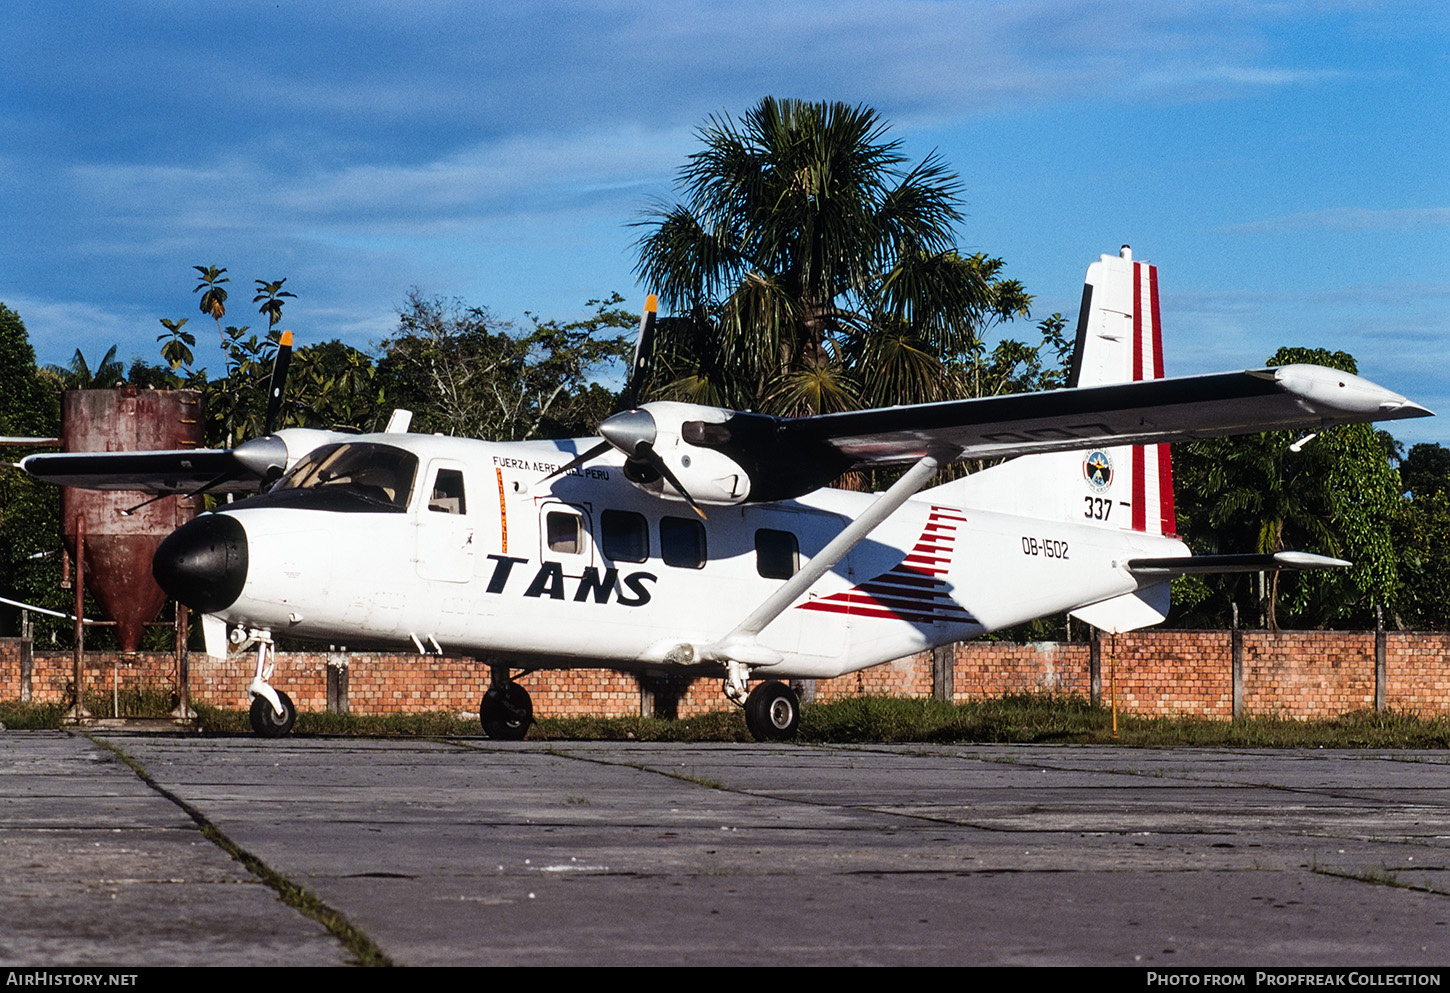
[{"x": 1157, "y": 327}]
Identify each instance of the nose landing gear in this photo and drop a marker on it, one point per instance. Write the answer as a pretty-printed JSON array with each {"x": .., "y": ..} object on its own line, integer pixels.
[{"x": 273, "y": 713}]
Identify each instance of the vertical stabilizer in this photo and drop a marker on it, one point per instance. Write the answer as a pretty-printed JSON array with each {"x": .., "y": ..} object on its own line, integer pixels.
[{"x": 1119, "y": 340}]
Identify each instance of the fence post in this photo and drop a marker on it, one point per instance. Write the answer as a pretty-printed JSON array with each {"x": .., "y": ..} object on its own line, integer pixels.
[
  {"x": 1237, "y": 655},
  {"x": 337, "y": 683},
  {"x": 1379, "y": 659},
  {"x": 27, "y": 656},
  {"x": 943, "y": 658},
  {"x": 1095, "y": 668}
]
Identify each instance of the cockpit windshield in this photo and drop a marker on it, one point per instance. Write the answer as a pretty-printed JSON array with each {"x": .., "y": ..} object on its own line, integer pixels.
[{"x": 378, "y": 474}]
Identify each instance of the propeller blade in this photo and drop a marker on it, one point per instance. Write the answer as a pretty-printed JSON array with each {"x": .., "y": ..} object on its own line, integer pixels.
[
  {"x": 649, "y": 455},
  {"x": 643, "y": 353},
  {"x": 579, "y": 460},
  {"x": 278, "y": 382}
]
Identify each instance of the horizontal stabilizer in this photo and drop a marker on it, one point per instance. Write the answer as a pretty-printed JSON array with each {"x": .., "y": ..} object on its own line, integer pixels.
[{"x": 1187, "y": 565}]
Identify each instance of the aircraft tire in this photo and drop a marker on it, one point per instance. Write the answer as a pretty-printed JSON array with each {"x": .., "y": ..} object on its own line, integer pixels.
[
  {"x": 265, "y": 720},
  {"x": 506, "y": 712},
  {"x": 772, "y": 712}
]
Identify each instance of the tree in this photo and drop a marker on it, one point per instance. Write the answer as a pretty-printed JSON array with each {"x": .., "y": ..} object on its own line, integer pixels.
[
  {"x": 811, "y": 268},
  {"x": 1337, "y": 495},
  {"x": 78, "y": 374},
  {"x": 214, "y": 301},
  {"x": 463, "y": 371},
  {"x": 177, "y": 344},
  {"x": 26, "y": 407},
  {"x": 1426, "y": 470},
  {"x": 270, "y": 295},
  {"x": 331, "y": 385}
]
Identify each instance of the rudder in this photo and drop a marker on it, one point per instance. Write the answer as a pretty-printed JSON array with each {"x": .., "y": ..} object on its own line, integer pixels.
[{"x": 1119, "y": 340}]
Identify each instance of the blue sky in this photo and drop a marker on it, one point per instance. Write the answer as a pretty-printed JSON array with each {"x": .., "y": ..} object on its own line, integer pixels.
[{"x": 1287, "y": 165}]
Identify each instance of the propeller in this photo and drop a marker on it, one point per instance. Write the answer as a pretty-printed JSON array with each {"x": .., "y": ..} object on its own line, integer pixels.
[
  {"x": 263, "y": 457},
  {"x": 632, "y": 430},
  {"x": 277, "y": 382},
  {"x": 644, "y": 344}
]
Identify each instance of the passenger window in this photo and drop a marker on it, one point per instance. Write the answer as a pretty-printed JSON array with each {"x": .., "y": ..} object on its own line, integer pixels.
[
  {"x": 564, "y": 532},
  {"x": 447, "y": 496},
  {"x": 777, "y": 554},
  {"x": 626, "y": 536},
  {"x": 682, "y": 542}
]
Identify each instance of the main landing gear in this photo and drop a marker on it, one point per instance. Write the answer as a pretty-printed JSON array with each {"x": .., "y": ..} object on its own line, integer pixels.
[
  {"x": 506, "y": 710},
  {"x": 273, "y": 713},
  {"x": 772, "y": 709}
]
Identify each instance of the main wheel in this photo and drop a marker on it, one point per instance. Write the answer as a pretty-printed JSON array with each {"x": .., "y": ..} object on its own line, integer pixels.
[
  {"x": 772, "y": 712},
  {"x": 267, "y": 722},
  {"x": 506, "y": 712}
]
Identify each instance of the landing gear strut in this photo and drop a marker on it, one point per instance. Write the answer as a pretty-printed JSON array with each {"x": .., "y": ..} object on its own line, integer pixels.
[
  {"x": 273, "y": 713},
  {"x": 506, "y": 711},
  {"x": 772, "y": 712}
]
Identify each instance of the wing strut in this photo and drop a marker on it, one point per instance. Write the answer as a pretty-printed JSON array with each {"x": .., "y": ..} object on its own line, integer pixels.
[{"x": 740, "y": 644}]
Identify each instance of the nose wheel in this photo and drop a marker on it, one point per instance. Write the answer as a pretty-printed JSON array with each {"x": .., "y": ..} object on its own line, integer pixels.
[
  {"x": 506, "y": 711},
  {"x": 772, "y": 712},
  {"x": 265, "y": 719}
]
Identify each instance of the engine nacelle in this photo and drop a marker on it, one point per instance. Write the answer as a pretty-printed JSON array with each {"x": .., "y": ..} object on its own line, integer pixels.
[{"x": 709, "y": 476}]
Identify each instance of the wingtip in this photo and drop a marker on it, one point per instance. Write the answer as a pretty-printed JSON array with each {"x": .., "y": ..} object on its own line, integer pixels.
[{"x": 1407, "y": 408}]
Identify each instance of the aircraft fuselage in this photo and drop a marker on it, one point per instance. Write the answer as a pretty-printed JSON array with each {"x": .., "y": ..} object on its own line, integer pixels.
[{"x": 478, "y": 554}]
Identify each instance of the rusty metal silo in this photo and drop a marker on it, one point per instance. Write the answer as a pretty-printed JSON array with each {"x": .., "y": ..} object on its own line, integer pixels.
[{"x": 118, "y": 546}]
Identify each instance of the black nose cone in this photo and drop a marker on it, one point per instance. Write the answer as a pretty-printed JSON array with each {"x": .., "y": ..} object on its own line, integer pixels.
[{"x": 203, "y": 563}]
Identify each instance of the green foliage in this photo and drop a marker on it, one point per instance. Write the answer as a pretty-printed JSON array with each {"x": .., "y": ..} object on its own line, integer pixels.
[
  {"x": 1421, "y": 535},
  {"x": 332, "y": 385},
  {"x": 1426, "y": 470},
  {"x": 27, "y": 407},
  {"x": 78, "y": 375},
  {"x": 178, "y": 344},
  {"x": 270, "y": 296},
  {"x": 213, "y": 302},
  {"x": 29, "y": 510},
  {"x": 813, "y": 269},
  {"x": 464, "y": 372},
  {"x": 1338, "y": 496}
]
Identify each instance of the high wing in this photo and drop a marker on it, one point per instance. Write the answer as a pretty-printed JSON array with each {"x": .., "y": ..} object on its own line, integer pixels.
[
  {"x": 218, "y": 470},
  {"x": 785, "y": 457},
  {"x": 246, "y": 468}
]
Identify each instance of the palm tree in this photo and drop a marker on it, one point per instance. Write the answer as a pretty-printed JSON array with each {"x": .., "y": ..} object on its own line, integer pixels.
[
  {"x": 811, "y": 267},
  {"x": 270, "y": 295},
  {"x": 78, "y": 374},
  {"x": 214, "y": 300},
  {"x": 178, "y": 343}
]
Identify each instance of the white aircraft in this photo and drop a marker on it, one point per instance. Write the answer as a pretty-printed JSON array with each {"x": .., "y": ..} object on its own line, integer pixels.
[{"x": 557, "y": 554}]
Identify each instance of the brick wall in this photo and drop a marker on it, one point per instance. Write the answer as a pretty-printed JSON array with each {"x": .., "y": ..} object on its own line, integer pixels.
[{"x": 1292, "y": 673}]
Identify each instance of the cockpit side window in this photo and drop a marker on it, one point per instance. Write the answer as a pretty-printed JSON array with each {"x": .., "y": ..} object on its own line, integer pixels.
[
  {"x": 377, "y": 475},
  {"x": 447, "y": 496}
]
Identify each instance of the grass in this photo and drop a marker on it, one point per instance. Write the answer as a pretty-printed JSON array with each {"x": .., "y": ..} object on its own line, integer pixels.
[{"x": 859, "y": 720}]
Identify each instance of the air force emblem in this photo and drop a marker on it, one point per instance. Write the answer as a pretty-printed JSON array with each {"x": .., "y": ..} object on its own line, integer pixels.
[{"x": 1097, "y": 468}]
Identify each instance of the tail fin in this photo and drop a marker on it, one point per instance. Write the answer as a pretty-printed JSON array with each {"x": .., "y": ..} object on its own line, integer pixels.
[{"x": 1119, "y": 340}]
